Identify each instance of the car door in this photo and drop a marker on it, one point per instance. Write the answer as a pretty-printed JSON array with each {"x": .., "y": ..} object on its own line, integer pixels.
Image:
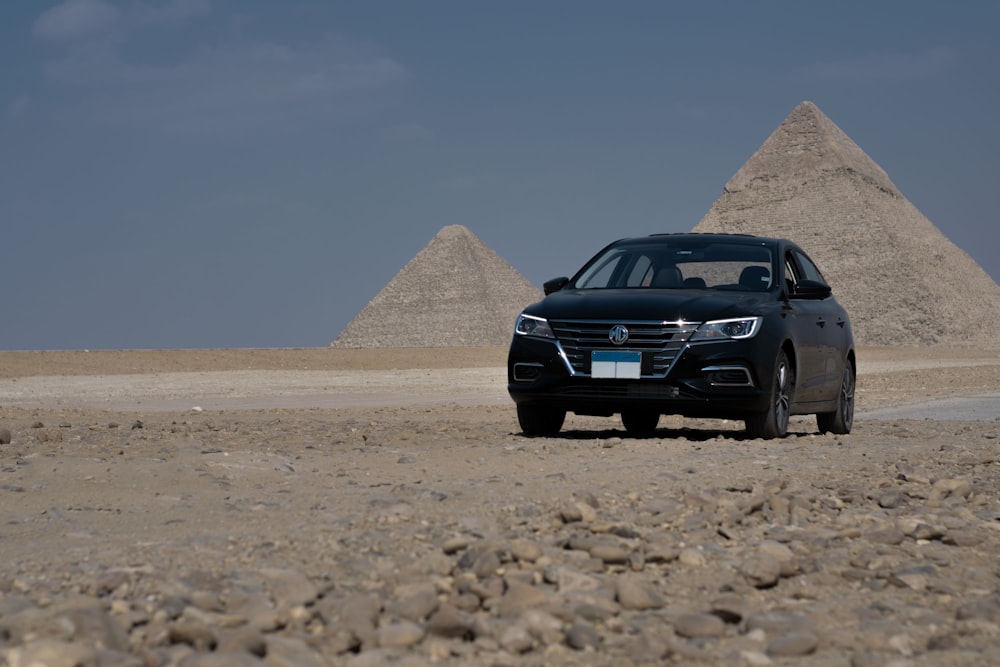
[
  {"x": 803, "y": 316},
  {"x": 826, "y": 322}
]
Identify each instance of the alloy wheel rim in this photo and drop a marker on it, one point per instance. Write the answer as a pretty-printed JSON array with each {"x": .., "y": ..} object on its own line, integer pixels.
[
  {"x": 847, "y": 398},
  {"x": 781, "y": 398}
]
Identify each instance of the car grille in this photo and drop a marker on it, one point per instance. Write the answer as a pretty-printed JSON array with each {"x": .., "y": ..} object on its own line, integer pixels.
[
  {"x": 621, "y": 390},
  {"x": 659, "y": 342}
]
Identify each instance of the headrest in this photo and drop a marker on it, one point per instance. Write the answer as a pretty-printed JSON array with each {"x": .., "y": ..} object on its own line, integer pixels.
[{"x": 757, "y": 278}]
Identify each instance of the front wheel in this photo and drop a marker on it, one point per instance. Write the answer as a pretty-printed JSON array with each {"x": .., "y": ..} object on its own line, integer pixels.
[
  {"x": 641, "y": 423},
  {"x": 538, "y": 420},
  {"x": 840, "y": 420},
  {"x": 773, "y": 422}
]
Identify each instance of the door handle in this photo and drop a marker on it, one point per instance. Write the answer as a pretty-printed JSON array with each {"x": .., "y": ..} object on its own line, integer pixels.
[{"x": 821, "y": 323}]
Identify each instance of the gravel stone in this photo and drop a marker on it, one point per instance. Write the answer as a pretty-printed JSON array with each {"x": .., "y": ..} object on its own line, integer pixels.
[
  {"x": 52, "y": 653},
  {"x": 696, "y": 626},
  {"x": 516, "y": 639},
  {"x": 795, "y": 643},
  {"x": 401, "y": 634},
  {"x": 581, "y": 636},
  {"x": 634, "y": 594},
  {"x": 521, "y": 597}
]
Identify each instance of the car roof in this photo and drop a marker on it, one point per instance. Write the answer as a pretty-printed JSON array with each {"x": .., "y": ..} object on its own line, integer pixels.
[
  {"x": 721, "y": 236},
  {"x": 748, "y": 239}
]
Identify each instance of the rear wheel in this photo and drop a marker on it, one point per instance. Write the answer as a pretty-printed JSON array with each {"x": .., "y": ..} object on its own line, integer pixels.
[
  {"x": 773, "y": 422},
  {"x": 539, "y": 420},
  {"x": 842, "y": 419},
  {"x": 641, "y": 423}
]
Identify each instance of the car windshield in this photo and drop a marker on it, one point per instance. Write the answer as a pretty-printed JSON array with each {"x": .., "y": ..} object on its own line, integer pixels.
[{"x": 679, "y": 264}]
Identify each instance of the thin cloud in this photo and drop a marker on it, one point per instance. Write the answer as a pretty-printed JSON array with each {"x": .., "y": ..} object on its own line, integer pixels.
[
  {"x": 170, "y": 13},
  {"x": 235, "y": 81},
  {"x": 885, "y": 66},
  {"x": 84, "y": 20},
  {"x": 76, "y": 19}
]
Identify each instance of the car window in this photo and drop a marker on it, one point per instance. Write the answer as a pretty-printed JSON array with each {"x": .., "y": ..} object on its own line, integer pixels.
[
  {"x": 731, "y": 274},
  {"x": 791, "y": 273},
  {"x": 600, "y": 273},
  {"x": 621, "y": 268},
  {"x": 809, "y": 270},
  {"x": 660, "y": 264},
  {"x": 641, "y": 274}
]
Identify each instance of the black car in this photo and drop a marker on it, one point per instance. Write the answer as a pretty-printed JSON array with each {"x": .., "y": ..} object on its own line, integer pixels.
[{"x": 701, "y": 325}]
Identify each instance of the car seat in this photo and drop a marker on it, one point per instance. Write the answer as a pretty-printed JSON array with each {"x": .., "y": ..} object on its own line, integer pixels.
[
  {"x": 755, "y": 278},
  {"x": 667, "y": 277}
]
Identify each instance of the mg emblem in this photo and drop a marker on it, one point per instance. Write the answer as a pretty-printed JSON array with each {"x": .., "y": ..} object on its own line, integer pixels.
[{"x": 618, "y": 334}]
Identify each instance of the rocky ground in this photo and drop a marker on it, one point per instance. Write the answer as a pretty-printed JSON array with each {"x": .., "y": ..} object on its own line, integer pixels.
[{"x": 429, "y": 531}]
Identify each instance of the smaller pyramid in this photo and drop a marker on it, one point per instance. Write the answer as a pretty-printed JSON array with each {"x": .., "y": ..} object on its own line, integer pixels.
[{"x": 456, "y": 292}]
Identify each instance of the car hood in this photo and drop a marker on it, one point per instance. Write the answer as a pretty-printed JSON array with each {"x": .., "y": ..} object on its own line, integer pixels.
[{"x": 650, "y": 304}]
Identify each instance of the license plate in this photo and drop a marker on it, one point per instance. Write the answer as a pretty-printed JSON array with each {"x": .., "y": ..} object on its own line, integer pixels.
[{"x": 615, "y": 364}]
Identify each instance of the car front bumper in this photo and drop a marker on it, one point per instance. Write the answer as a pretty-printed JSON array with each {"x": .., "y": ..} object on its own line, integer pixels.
[{"x": 724, "y": 379}]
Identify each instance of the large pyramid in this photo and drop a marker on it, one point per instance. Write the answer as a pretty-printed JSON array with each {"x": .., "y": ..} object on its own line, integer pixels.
[
  {"x": 902, "y": 281},
  {"x": 456, "y": 292}
]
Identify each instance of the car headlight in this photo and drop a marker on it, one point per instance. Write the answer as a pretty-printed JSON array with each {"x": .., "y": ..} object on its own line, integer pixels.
[
  {"x": 528, "y": 325},
  {"x": 734, "y": 329}
]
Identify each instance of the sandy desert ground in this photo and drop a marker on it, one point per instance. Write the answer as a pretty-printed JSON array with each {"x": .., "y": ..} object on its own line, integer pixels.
[{"x": 377, "y": 507}]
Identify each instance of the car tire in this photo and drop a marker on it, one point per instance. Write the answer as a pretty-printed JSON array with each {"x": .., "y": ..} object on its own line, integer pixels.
[
  {"x": 640, "y": 423},
  {"x": 538, "y": 420},
  {"x": 773, "y": 422},
  {"x": 840, "y": 420}
]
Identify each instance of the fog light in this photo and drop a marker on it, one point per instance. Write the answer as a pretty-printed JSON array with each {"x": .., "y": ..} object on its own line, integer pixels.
[
  {"x": 728, "y": 376},
  {"x": 528, "y": 372}
]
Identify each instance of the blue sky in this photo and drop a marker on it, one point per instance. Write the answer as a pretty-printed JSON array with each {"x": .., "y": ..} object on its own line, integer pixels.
[{"x": 249, "y": 173}]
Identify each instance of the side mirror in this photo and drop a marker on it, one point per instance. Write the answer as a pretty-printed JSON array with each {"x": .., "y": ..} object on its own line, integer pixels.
[
  {"x": 811, "y": 289},
  {"x": 554, "y": 285}
]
